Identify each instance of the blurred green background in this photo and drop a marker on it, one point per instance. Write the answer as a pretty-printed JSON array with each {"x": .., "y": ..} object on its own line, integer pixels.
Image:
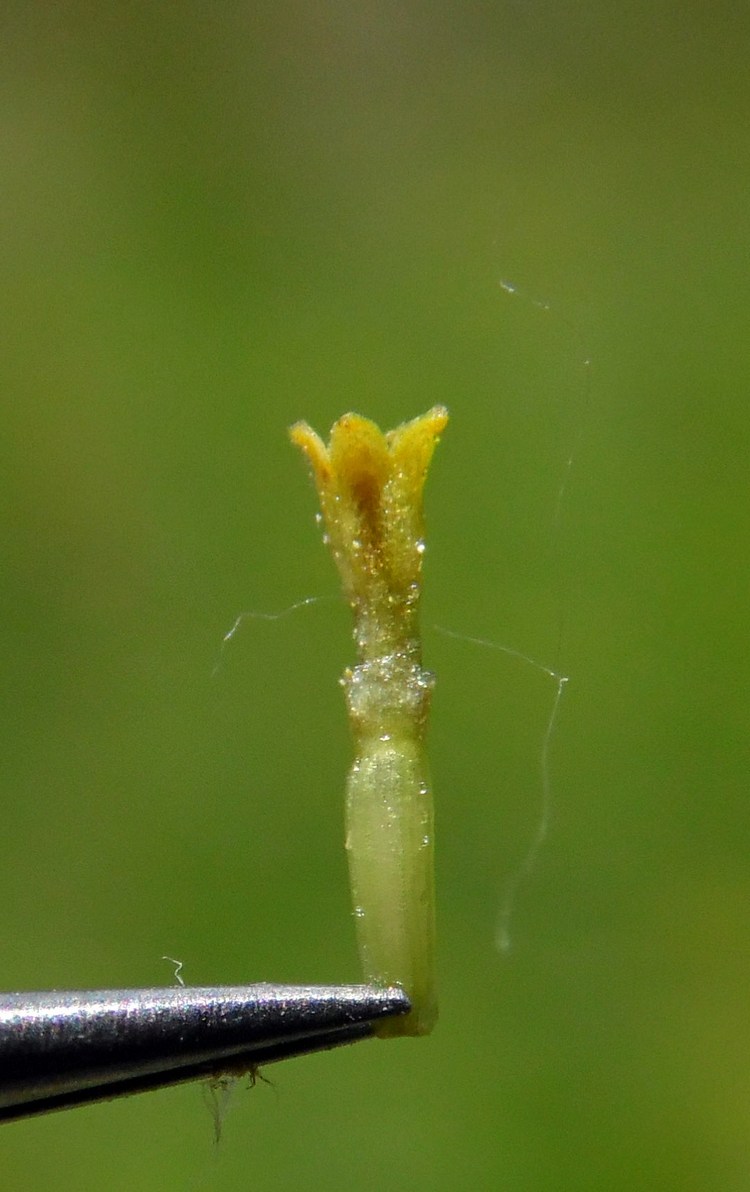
[{"x": 219, "y": 218}]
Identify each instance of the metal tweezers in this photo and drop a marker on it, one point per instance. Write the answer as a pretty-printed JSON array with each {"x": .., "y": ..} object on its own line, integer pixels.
[{"x": 62, "y": 1049}]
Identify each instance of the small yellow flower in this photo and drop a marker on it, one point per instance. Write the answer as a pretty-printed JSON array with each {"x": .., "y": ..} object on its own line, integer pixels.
[{"x": 370, "y": 489}]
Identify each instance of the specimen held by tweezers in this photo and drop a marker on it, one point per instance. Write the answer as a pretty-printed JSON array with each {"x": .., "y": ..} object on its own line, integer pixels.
[{"x": 370, "y": 486}]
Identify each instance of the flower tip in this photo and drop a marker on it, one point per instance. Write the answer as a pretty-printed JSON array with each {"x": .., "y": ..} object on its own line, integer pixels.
[
  {"x": 359, "y": 456},
  {"x": 438, "y": 416},
  {"x": 311, "y": 444}
]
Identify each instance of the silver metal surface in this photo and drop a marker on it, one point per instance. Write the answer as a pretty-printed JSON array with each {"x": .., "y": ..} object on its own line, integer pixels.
[{"x": 60, "y": 1049}]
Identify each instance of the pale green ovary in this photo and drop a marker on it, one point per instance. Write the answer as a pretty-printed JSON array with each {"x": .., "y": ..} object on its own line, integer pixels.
[
  {"x": 389, "y": 841},
  {"x": 389, "y": 833}
]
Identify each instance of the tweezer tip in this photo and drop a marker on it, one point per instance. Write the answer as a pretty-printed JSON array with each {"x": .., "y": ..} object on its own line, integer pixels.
[{"x": 59, "y": 1049}]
